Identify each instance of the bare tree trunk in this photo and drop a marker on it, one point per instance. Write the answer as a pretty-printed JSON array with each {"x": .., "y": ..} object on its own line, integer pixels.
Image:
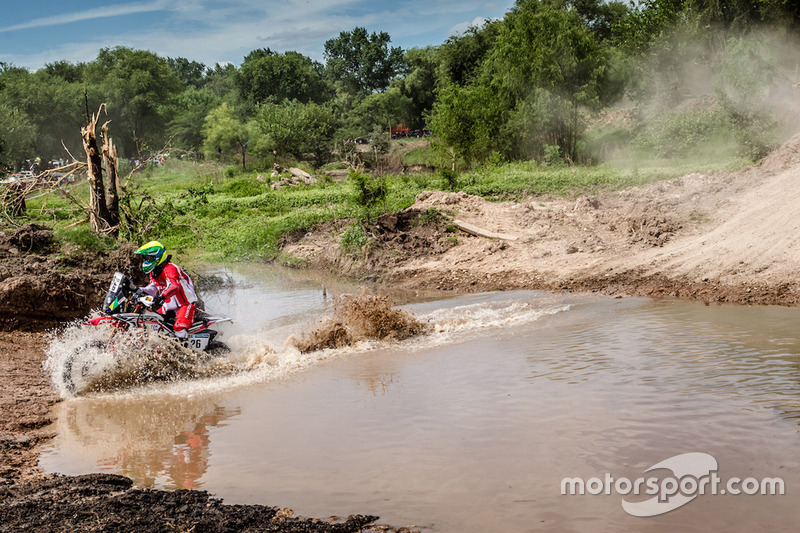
[
  {"x": 112, "y": 177},
  {"x": 99, "y": 216}
]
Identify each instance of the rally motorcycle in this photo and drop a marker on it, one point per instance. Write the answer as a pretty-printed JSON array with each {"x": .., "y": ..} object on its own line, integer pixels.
[{"x": 127, "y": 308}]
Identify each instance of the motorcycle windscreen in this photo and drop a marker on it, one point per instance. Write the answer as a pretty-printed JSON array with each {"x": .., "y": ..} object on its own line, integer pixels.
[{"x": 117, "y": 293}]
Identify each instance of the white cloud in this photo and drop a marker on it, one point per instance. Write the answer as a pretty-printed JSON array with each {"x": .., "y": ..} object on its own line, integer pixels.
[
  {"x": 459, "y": 29},
  {"x": 101, "y": 12},
  {"x": 212, "y": 31}
]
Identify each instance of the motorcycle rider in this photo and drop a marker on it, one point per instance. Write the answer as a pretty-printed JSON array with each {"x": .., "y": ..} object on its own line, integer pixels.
[{"x": 171, "y": 288}]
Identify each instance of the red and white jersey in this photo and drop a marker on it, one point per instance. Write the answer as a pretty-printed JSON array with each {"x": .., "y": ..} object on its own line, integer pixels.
[{"x": 174, "y": 285}]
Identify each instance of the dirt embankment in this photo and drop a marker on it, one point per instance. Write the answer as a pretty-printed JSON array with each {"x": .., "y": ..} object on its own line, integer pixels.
[
  {"x": 41, "y": 284},
  {"x": 716, "y": 237}
]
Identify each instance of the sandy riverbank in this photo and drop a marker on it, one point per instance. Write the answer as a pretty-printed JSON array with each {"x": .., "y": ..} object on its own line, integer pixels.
[{"x": 716, "y": 237}]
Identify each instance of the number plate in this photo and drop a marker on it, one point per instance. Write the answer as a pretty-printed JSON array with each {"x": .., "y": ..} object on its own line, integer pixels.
[
  {"x": 115, "y": 282},
  {"x": 199, "y": 342}
]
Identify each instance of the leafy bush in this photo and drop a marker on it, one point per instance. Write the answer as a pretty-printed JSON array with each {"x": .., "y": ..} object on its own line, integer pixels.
[
  {"x": 243, "y": 188},
  {"x": 450, "y": 177},
  {"x": 353, "y": 240},
  {"x": 685, "y": 134},
  {"x": 552, "y": 156},
  {"x": 369, "y": 190}
]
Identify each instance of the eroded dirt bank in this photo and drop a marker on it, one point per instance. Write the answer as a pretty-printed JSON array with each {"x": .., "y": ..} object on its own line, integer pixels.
[
  {"x": 42, "y": 283},
  {"x": 713, "y": 237}
]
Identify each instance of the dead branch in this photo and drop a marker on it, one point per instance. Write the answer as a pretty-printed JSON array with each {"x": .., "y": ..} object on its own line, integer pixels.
[
  {"x": 78, "y": 223},
  {"x": 100, "y": 217},
  {"x": 112, "y": 176}
]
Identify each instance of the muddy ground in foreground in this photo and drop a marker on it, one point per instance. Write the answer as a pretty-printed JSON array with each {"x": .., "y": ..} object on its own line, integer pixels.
[{"x": 712, "y": 237}]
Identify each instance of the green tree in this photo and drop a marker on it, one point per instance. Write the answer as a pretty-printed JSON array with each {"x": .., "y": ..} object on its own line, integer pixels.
[
  {"x": 600, "y": 16},
  {"x": 645, "y": 23},
  {"x": 363, "y": 61},
  {"x": 552, "y": 66},
  {"x": 138, "y": 87},
  {"x": 222, "y": 80},
  {"x": 52, "y": 104},
  {"x": 224, "y": 134},
  {"x": 462, "y": 56},
  {"x": 69, "y": 72},
  {"x": 17, "y": 135},
  {"x": 419, "y": 83},
  {"x": 383, "y": 110},
  {"x": 296, "y": 129},
  {"x": 191, "y": 73},
  {"x": 266, "y": 76},
  {"x": 192, "y": 107},
  {"x": 469, "y": 119}
]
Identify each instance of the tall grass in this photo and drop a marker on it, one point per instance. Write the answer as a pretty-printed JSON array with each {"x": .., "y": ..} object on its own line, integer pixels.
[{"x": 240, "y": 217}]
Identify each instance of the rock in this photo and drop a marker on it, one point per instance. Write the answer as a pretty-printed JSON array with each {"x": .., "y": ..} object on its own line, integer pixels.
[
  {"x": 337, "y": 174},
  {"x": 302, "y": 174}
]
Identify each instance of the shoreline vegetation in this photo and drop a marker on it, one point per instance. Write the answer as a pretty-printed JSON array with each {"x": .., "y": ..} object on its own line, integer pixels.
[{"x": 217, "y": 214}]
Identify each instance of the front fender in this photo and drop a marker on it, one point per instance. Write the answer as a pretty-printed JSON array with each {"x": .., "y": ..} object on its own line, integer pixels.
[{"x": 98, "y": 320}]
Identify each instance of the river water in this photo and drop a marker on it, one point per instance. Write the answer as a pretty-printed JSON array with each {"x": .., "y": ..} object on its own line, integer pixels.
[{"x": 474, "y": 426}]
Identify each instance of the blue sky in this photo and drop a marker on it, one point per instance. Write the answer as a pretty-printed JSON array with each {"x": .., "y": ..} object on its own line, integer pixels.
[{"x": 33, "y": 33}]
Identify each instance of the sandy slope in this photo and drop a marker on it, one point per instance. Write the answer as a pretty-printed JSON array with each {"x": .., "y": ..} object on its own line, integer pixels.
[{"x": 716, "y": 237}]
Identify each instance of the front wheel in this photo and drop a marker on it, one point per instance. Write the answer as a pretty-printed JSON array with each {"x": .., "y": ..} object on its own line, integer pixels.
[
  {"x": 217, "y": 349},
  {"x": 79, "y": 364}
]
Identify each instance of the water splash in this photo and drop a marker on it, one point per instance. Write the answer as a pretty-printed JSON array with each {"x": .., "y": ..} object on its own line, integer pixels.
[
  {"x": 85, "y": 359},
  {"x": 89, "y": 360},
  {"x": 358, "y": 317}
]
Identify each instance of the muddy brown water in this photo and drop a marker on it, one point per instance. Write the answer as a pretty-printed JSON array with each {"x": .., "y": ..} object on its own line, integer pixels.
[{"x": 474, "y": 426}]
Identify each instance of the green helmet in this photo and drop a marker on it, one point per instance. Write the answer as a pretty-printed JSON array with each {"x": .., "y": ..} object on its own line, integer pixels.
[{"x": 153, "y": 255}]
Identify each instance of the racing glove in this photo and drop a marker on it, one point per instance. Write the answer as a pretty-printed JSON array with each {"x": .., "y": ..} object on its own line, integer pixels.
[{"x": 158, "y": 301}]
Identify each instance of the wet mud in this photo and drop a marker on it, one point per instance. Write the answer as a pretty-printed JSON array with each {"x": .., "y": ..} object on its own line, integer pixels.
[
  {"x": 26, "y": 398},
  {"x": 107, "y": 502}
]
